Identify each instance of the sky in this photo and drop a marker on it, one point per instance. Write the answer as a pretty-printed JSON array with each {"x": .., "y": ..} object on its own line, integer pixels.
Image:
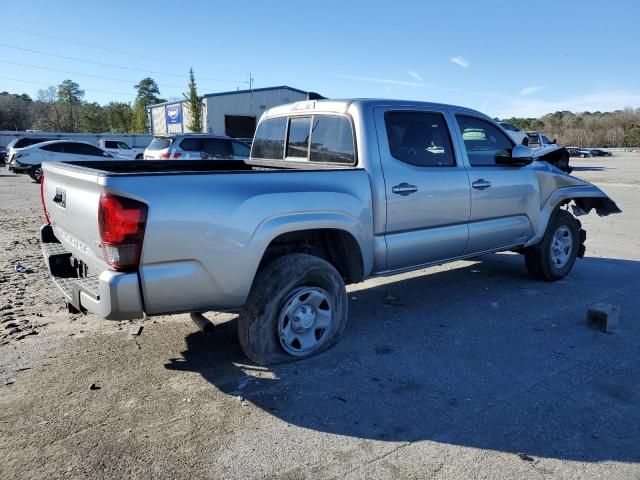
[{"x": 505, "y": 58}]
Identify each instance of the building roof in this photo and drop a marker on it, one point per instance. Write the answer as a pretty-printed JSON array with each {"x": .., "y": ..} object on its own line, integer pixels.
[{"x": 233, "y": 92}]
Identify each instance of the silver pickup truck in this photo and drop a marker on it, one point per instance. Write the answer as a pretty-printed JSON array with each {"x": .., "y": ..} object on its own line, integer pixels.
[{"x": 334, "y": 192}]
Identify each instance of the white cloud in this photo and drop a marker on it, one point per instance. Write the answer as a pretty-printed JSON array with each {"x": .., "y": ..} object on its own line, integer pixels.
[
  {"x": 530, "y": 90},
  {"x": 415, "y": 75},
  {"x": 385, "y": 81},
  {"x": 463, "y": 62}
]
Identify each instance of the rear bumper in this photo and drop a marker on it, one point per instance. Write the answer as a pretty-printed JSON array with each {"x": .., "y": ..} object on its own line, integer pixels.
[{"x": 110, "y": 295}]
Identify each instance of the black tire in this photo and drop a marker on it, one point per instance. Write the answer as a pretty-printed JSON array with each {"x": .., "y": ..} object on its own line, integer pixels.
[
  {"x": 36, "y": 173},
  {"x": 258, "y": 322},
  {"x": 538, "y": 258},
  {"x": 139, "y": 156}
]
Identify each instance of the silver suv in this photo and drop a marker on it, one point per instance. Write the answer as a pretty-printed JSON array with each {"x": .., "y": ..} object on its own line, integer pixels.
[{"x": 196, "y": 146}]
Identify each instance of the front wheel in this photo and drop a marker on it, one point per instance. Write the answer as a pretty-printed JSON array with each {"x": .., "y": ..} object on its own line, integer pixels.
[
  {"x": 36, "y": 173},
  {"x": 553, "y": 258},
  {"x": 297, "y": 308}
]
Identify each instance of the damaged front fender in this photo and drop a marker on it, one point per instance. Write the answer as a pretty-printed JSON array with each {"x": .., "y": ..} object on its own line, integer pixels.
[{"x": 603, "y": 205}]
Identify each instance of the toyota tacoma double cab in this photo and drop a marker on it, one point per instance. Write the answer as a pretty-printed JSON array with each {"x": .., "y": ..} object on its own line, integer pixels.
[{"x": 334, "y": 192}]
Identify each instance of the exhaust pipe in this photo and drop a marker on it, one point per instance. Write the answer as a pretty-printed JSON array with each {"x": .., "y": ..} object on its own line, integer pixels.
[{"x": 202, "y": 322}]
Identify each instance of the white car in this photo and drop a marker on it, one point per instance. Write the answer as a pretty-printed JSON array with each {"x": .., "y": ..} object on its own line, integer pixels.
[
  {"x": 30, "y": 159},
  {"x": 514, "y": 132},
  {"x": 122, "y": 149}
]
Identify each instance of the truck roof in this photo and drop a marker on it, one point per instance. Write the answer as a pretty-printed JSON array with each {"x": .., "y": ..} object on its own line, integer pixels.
[{"x": 343, "y": 105}]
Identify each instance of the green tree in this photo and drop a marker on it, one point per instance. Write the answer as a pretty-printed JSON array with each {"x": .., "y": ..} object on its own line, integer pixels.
[
  {"x": 92, "y": 118},
  {"x": 195, "y": 105},
  {"x": 632, "y": 137},
  {"x": 139, "y": 118},
  {"x": 70, "y": 97},
  {"x": 118, "y": 117},
  {"x": 148, "y": 92}
]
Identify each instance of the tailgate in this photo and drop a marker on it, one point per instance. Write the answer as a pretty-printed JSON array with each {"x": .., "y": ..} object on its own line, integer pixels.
[{"x": 71, "y": 198}]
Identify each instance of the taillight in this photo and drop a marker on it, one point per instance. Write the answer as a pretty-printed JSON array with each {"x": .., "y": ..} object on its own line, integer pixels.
[
  {"x": 168, "y": 155},
  {"x": 44, "y": 207},
  {"x": 122, "y": 222},
  {"x": 164, "y": 155},
  {"x": 176, "y": 154}
]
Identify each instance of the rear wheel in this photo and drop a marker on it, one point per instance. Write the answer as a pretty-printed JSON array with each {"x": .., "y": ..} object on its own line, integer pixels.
[
  {"x": 297, "y": 308},
  {"x": 553, "y": 258},
  {"x": 36, "y": 173}
]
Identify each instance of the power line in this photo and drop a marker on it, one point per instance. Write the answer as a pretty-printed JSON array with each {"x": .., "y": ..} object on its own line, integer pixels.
[
  {"x": 47, "y": 85},
  {"x": 75, "y": 59},
  {"x": 90, "y": 45},
  {"x": 131, "y": 82}
]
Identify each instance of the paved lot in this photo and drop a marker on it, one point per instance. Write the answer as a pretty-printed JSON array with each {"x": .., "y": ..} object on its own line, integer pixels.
[{"x": 450, "y": 372}]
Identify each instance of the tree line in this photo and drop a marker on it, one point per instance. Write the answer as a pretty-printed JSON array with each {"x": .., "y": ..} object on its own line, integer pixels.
[
  {"x": 62, "y": 108},
  {"x": 620, "y": 128}
]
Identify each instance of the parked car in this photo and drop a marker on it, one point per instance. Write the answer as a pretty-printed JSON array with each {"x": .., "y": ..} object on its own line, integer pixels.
[
  {"x": 22, "y": 142},
  {"x": 121, "y": 149},
  {"x": 194, "y": 146},
  {"x": 514, "y": 132},
  {"x": 579, "y": 152},
  {"x": 30, "y": 159},
  {"x": 334, "y": 192},
  {"x": 539, "y": 139},
  {"x": 3, "y": 154},
  {"x": 596, "y": 152}
]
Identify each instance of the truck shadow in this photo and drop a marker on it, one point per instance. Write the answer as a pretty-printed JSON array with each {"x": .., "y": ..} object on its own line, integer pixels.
[
  {"x": 478, "y": 356},
  {"x": 590, "y": 169}
]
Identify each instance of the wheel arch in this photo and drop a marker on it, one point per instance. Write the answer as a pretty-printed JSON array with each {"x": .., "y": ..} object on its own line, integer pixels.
[{"x": 338, "y": 238}]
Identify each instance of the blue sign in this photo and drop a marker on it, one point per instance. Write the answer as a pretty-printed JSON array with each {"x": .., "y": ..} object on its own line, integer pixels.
[{"x": 174, "y": 114}]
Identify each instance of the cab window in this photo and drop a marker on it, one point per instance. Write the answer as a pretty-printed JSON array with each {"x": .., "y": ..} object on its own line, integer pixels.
[{"x": 419, "y": 138}]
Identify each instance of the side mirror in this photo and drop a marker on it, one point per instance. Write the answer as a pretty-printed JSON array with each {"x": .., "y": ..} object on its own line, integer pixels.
[
  {"x": 525, "y": 141},
  {"x": 520, "y": 155},
  {"x": 554, "y": 140}
]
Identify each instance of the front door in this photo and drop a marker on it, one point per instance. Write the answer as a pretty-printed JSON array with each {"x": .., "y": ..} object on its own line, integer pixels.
[
  {"x": 504, "y": 199},
  {"x": 426, "y": 188}
]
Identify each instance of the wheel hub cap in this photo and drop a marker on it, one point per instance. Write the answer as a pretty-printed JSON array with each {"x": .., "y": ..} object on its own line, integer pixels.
[{"x": 303, "y": 318}]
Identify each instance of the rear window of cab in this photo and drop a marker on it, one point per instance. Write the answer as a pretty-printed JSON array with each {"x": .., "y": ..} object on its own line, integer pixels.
[{"x": 322, "y": 139}]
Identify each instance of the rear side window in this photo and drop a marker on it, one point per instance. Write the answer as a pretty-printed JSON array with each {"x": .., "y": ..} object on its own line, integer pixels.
[
  {"x": 332, "y": 140},
  {"x": 191, "y": 144},
  {"x": 217, "y": 148},
  {"x": 419, "y": 138},
  {"x": 269, "y": 139},
  {"x": 159, "y": 144},
  {"x": 298, "y": 142},
  {"x": 123, "y": 146},
  {"x": 54, "y": 147}
]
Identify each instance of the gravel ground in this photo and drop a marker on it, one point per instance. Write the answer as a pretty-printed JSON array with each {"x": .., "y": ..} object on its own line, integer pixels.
[{"x": 465, "y": 370}]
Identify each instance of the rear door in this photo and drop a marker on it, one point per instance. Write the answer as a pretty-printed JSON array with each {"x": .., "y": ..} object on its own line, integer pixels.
[
  {"x": 504, "y": 199},
  {"x": 426, "y": 184}
]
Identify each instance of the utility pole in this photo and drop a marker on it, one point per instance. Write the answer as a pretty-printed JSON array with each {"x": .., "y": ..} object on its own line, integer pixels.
[{"x": 251, "y": 93}]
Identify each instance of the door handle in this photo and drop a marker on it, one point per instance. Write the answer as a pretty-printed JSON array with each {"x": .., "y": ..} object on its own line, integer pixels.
[
  {"x": 404, "y": 189},
  {"x": 481, "y": 184}
]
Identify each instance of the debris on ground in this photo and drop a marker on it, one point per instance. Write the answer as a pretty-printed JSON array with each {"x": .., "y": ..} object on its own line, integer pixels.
[
  {"x": 604, "y": 317},
  {"x": 392, "y": 300},
  {"x": 93, "y": 386},
  {"x": 525, "y": 457},
  {"x": 136, "y": 330},
  {"x": 22, "y": 269}
]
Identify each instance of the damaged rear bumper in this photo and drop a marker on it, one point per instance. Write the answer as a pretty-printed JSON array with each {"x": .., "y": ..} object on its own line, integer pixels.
[{"x": 110, "y": 295}]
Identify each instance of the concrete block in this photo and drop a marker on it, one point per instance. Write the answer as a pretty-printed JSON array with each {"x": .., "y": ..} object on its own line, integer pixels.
[{"x": 604, "y": 317}]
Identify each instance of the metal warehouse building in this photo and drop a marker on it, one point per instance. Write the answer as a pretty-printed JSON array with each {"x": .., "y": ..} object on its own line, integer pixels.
[{"x": 227, "y": 113}]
